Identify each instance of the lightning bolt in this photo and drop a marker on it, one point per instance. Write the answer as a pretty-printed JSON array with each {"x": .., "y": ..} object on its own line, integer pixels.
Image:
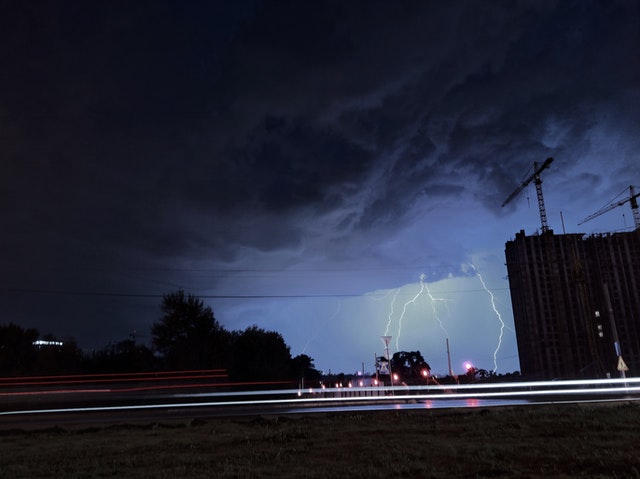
[
  {"x": 424, "y": 287},
  {"x": 335, "y": 314},
  {"x": 404, "y": 310},
  {"x": 393, "y": 302},
  {"x": 495, "y": 310},
  {"x": 435, "y": 310}
]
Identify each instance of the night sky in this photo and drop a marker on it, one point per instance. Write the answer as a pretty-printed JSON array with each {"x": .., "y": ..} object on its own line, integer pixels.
[{"x": 331, "y": 170}]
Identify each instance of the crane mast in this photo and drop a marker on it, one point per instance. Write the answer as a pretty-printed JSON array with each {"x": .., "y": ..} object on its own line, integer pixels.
[
  {"x": 633, "y": 201},
  {"x": 538, "y": 182}
]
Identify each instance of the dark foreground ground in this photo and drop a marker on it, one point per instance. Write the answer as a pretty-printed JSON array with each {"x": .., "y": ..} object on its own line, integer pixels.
[{"x": 533, "y": 441}]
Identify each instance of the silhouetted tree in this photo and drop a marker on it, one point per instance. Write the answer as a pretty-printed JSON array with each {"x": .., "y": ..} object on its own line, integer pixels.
[
  {"x": 17, "y": 351},
  {"x": 121, "y": 357},
  {"x": 302, "y": 367},
  {"x": 63, "y": 358},
  {"x": 260, "y": 355},
  {"x": 186, "y": 334},
  {"x": 410, "y": 365}
]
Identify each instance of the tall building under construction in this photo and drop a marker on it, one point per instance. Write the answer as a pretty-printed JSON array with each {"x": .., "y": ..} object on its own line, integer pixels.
[{"x": 576, "y": 303}]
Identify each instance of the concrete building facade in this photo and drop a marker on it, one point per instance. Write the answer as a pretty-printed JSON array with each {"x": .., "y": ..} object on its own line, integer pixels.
[{"x": 576, "y": 303}]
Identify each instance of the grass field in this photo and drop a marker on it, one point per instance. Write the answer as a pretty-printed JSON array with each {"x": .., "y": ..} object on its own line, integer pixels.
[{"x": 533, "y": 441}]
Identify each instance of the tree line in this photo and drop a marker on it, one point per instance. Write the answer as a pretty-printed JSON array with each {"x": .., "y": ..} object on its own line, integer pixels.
[{"x": 186, "y": 337}]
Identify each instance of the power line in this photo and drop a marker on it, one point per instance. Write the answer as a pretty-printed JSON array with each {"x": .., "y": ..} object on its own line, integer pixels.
[{"x": 212, "y": 296}]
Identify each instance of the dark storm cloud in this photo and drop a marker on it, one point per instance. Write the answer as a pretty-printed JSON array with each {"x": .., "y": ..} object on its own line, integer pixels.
[
  {"x": 139, "y": 112},
  {"x": 295, "y": 162},
  {"x": 141, "y": 140}
]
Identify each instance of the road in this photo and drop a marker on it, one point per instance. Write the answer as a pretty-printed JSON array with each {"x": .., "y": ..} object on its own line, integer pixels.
[{"x": 188, "y": 397}]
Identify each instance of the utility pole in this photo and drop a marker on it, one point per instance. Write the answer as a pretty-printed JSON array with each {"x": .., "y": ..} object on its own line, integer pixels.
[
  {"x": 622, "y": 367},
  {"x": 449, "y": 359},
  {"x": 386, "y": 340}
]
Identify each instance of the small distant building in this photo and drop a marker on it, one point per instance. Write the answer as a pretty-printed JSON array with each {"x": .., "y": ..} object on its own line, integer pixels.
[{"x": 382, "y": 366}]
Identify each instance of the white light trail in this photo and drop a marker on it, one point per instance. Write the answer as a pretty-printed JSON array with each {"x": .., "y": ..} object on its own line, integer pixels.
[{"x": 616, "y": 388}]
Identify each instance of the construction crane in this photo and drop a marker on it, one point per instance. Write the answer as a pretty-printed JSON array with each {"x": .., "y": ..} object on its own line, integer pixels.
[
  {"x": 538, "y": 182},
  {"x": 632, "y": 199}
]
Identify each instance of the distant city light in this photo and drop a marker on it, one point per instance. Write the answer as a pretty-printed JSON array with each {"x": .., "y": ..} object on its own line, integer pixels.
[{"x": 41, "y": 342}]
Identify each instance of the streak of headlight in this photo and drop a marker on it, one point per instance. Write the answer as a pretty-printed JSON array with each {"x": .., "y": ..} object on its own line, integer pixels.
[
  {"x": 118, "y": 376},
  {"x": 445, "y": 392},
  {"x": 495, "y": 310},
  {"x": 118, "y": 380},
  {"x": 112, "y": 390},
  {"x": 526, "y": 386},
  {"x": 155, "y": 387}
]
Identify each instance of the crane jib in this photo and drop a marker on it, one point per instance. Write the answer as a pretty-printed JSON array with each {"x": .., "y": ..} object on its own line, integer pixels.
[{"x": 538, "y": 183}]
